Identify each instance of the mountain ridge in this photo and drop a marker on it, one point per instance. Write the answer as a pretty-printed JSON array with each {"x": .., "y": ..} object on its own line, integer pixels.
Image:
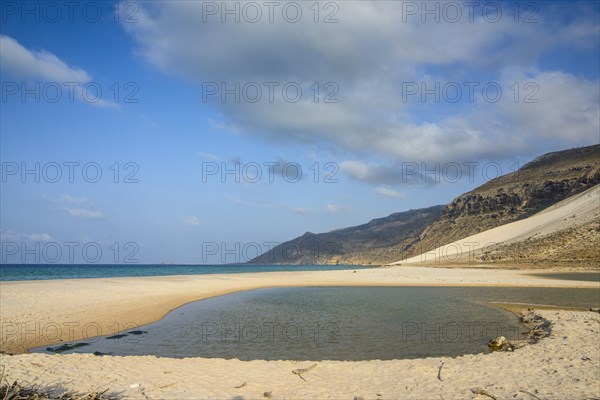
[
  {"x": 342, "y": 245},
  {"x": 542, "y": 182}
]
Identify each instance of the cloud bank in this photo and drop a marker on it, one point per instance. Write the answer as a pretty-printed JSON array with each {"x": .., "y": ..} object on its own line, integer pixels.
[
  {"x": 370, "y": 56},
  {"x": 24, "y": 63}
]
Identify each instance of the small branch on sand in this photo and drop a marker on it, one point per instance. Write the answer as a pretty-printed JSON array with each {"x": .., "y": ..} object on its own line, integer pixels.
[
  {"x": 529, "y": 393},
  {"x": 241, "y": 386},
  {"x": 166, "y": 386},
  {"x": 484, "y": 392},
  {"x": 301, "y": 371},
  {"x": 440, "y": 371}
]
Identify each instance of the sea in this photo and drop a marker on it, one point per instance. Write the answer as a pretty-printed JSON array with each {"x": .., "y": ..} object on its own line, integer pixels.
[{"x": 21, "y": 272}]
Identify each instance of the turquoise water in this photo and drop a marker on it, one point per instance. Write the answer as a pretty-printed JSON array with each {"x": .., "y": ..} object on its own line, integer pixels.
[
  {"x": 20, "y": 272},
  {"x": 336, "y": 323}
]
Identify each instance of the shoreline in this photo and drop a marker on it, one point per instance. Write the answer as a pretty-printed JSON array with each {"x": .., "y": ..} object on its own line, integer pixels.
[
  {"x": 48, "y": 312},
  {"x": 561, "y": 365},
  {"x": 533, "y": 268}
]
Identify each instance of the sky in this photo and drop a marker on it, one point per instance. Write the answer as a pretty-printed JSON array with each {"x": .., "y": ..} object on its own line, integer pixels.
[{"x": 205, "y": 132}]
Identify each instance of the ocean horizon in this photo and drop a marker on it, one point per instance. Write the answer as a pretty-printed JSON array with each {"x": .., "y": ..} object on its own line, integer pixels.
[{"x": 25, "y": 272}]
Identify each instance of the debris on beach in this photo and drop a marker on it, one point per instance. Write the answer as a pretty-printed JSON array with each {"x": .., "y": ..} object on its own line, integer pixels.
[
  {"x": 140, "y": 389},
  {"x": 119, "y": 336},
  {"x": 99, "y": 353},
  {"x": 439, "y": 375},
  {"x": 301, "y": 371},
  {"x": 66, "y": 347},
  {"x": 498, "y": 343},
  {"x": 502, "y": 344},
  {"x": 16, "y": 391},
  {"x": 484, "y": 392},
  {"x": 137, "y": 332},
  {"x": 531, "y": 394},
  {"x": 538, "y": 329}
]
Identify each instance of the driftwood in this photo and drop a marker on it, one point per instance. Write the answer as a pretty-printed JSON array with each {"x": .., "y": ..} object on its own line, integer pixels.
[
  {"x": 440, "y": 371},
  {"x": 301, "y": 371},
  {"x": 484, "y": 392},
  {"x": 166, "y": 386},
  {"x": 529, "y": 393},
  {"x": 17, "y": 391}
]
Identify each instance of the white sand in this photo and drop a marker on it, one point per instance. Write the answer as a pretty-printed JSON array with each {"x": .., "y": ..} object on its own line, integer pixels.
[
  {"x": 565, "y": 365},
  {"x": 572, "y": 211},
  {"x": 35, "y": 313}
]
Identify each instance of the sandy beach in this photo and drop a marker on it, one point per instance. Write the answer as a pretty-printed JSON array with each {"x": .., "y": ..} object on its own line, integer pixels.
[
  {"x": 301, "y": 200},
  {"x": 563, "y": 365},
  {"x": 36, "y": 313}
]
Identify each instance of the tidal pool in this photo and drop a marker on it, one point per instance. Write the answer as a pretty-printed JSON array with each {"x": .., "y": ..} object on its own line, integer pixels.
[{"x": 334, "y": 323}]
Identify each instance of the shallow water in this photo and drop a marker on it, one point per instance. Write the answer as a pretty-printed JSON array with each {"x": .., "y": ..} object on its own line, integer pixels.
[
  {"x": 572, "y": 276},
  {"x": 338, "y": 323}
]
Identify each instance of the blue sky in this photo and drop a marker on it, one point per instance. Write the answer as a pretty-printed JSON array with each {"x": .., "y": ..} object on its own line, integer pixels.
[{"x": 160, "y": 124}]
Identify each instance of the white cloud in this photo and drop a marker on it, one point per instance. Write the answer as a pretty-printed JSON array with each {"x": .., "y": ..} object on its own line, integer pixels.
[
  {"x": 208, "y": 156},
  {"x": 567, "y": 107},
  {"x": 67, "y": 198},
  {"x": 302, "y": 210},
  {"x": 83, "y": 213},
  {"x": 191, "y": 220},
  {"x": 81, "y": 207},
  {"x": 356, "y": 169},
  {"x": 335, "y": 208},
  {"x": 22, "y": 63},
  {"x": 25, "y": 63},
  {"x": 148, "y": 122},
  {"x": 369, "y": 66},
  {"x": 9, "y": 235},
  {"x": 40, "y": 237},
  {"x": 238, "y": 201},
  {"x": 375, "y": 173},
  {"x": 392, "y": 194},
  {"x": 249, "y": 204}
]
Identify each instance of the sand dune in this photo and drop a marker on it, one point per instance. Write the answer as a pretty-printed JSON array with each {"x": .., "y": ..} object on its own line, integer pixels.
[{"x": 575, "y": 211}]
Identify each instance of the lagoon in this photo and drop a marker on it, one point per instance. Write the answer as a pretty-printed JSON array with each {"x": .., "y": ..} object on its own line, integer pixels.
[{"x": 336, "y": 323}]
